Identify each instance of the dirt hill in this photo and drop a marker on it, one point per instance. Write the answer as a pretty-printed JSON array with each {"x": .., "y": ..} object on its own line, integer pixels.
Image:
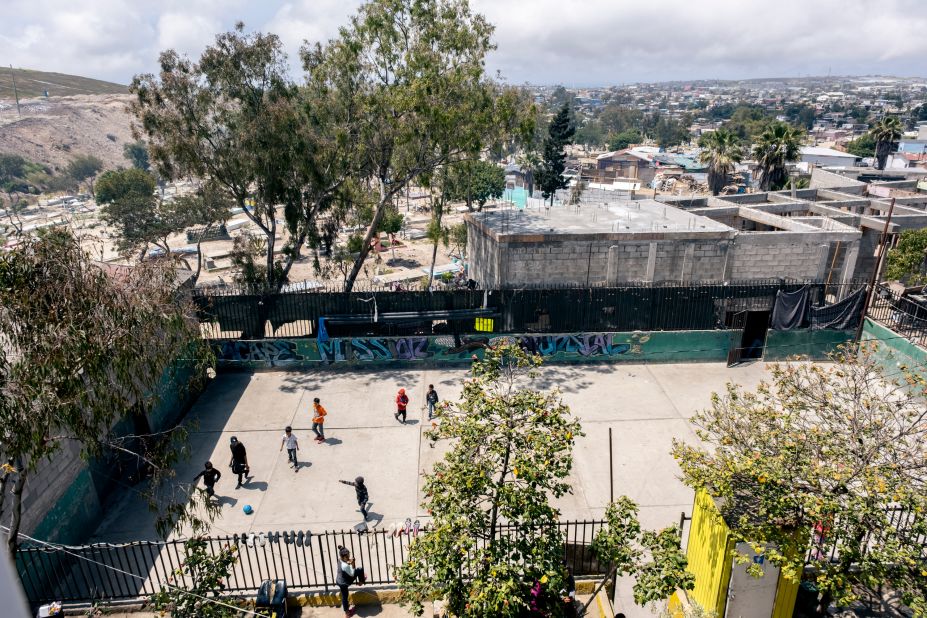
[
  {"x": 31, "y": 83},
  {"x": 51, "y": 131}
]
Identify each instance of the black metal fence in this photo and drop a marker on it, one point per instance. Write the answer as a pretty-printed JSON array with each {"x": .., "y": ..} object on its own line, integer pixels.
[
  {"x": 253, "y": 314},
  {"x": 905, "y": 524},
  {"x": 109, "y": 572},
  {"x": 903, "y": 312}
]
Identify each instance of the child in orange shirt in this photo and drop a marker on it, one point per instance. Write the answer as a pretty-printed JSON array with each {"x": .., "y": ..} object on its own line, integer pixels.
[{"x": 318, "y": 420}]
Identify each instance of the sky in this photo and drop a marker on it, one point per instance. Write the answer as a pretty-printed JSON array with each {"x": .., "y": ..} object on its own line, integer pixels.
[{"x": 570, "y": 42}]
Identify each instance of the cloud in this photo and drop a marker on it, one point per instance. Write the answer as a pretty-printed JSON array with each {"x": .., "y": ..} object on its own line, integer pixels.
[{"x": 541, "y": 41}]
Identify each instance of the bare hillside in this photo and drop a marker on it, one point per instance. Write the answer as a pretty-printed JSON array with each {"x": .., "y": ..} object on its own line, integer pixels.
[
  {"x": 51, "y": 131},
  {"x": 31, "y": 83}
]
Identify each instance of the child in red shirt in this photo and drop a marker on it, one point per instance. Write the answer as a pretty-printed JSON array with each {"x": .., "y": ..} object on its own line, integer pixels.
[{"x": 402, "y": 400}]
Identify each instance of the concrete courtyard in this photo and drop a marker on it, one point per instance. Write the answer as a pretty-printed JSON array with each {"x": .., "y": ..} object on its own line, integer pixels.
[{"x": 646, "y": 406}]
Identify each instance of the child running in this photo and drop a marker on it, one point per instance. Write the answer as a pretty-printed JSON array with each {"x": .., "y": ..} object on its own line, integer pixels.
[
  {"x": 318, "y": 420},
  {"x": 292, "y": 445}
]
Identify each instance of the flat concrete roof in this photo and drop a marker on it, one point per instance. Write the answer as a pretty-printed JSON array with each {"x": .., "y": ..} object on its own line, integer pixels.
[{"x": 620, "y": 219}]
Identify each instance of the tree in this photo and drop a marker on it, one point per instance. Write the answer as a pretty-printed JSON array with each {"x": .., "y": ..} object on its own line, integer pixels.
[
  {"x": 862, "y": 146},
  {"x": 510, "y": 453},
  {"x": 194, "y": 588},
  {"x": 458, "y": 236},
  {"x": 560, "y": 134},
  {"x": 142, "y": 218},
  {"x": 777, "y": 145},
  {"x": 590, "y": 133},
  {"x": 474, "y": 181},
  {"x": 412, "y": 74},
  {"x": 623, "y": 140},
  {"x": 906, "y": 260},
  {"x": 235, "y": 119},
  {"x": 831, "y": 450},
  {"x": 83, "y": 168},
  {"x": 748, "y": 121},
  {"x": 137, "y": 154},
  {"x": 71, "y": 367},
  {"x": 653, "y": 559},
  {"x": 886, "y": 135},
  {"x": 721, "y": 150}
]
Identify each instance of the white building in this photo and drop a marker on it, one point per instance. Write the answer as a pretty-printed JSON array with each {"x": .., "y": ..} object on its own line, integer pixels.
[{"x": 827, "y": 157}]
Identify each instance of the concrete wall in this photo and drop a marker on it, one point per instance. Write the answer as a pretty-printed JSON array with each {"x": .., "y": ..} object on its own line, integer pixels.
[
  {"x": 633, "y": 347},
  {"x": 63, "y": 500}
]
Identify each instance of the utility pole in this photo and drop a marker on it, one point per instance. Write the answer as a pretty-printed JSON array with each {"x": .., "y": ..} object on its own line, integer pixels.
[
  {"x": 883, "y": 240},
  {"x": 15, "y": 94}
]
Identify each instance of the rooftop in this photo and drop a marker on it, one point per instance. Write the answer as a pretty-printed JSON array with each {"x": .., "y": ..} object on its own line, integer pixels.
[
  {"x": 826, "y": 152},
  {"x": 618, "y": 219}
]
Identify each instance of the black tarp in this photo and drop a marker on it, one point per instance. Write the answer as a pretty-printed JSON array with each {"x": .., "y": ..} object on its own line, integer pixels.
[
  {"x": 844, "y": 315},
  {"x": 790, "y": 309}
]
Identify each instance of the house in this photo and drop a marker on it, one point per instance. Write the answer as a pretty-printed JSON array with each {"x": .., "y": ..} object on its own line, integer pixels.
[{"x": 625, "y": 163}]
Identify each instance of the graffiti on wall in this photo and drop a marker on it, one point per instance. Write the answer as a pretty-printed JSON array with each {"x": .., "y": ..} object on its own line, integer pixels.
[
  {"x": 270, "y": 352},
  {"x": 374, "y": 349},
  {"x": 370, "y": 349},
  {"x": 443, "y": 348}
]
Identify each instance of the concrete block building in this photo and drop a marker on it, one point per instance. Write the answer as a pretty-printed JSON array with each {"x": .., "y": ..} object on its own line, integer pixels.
[{"x": 827, "y": 233}]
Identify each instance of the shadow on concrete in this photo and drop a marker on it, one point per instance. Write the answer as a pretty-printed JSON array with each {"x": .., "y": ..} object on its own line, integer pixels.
[
  {"x": 229, "y": 500},
  {"x": 333, "y": 441},
  {"x": 258, "y": 485},
  {"x": 567, "y": 378},
  {"x": 309, "y": 379},
  {"x": 314, "y": 379}
]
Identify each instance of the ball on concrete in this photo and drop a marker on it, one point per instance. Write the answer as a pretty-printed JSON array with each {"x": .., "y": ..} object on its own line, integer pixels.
[{"x": 247, "y": 509}]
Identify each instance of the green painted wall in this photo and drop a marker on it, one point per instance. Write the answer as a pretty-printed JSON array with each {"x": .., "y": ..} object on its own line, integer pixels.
[
  {"x": 812, "y": 344},
  {"x": 675, "y": 346},
  {"x": 894, "y": 351},
  {"x": 76, "y": 513}
]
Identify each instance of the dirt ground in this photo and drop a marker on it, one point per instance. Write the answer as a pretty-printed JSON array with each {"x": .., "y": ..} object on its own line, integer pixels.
[{"x": 52, "y": 131}]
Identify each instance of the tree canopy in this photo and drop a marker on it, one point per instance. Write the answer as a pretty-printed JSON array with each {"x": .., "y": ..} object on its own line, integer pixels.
[
  {"x": 721, "y": 150},
  {"x": 510, "y": 453},
  {"x": 70, "y": 366},
  {"x": 776, "y": 146},
  {"x": 886, "y": 134},
  {"x": 83, "y": 168},
  {"x": 907, "y": 260},
  {"x": 234, "y": 118},
  {"x": 412, "y": 75},
  {"x": 474, "y": 182},
  {"x": 553, "y": 158},
  {"x": 137, "y": 154},
  {"x": 835, "y": 452}
]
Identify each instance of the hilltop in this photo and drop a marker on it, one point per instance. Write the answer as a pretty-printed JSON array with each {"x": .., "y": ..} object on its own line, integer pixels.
[
  {"x": 31, "y": 83},
  {"x": 52, "y": 131}
]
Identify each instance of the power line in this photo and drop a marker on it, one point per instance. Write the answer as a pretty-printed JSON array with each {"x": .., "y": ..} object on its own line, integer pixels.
[{"x": 64, "y": 549}]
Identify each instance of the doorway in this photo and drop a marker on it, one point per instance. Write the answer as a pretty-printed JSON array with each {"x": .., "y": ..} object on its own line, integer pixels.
[{"x": 748, "y": 341}]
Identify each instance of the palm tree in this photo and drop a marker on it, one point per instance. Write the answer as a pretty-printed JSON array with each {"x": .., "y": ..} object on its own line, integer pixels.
[
  {"x": 777, "y": 145},
  {"x": 721, "y": 149},
  {"x": 886, "y": 134}
]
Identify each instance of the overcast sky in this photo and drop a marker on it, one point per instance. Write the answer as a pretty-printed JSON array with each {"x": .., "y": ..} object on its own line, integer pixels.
[{"x": 587, "y": 42}]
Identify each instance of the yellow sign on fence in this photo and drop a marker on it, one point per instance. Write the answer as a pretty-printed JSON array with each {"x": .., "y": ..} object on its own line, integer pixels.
[{"x": 484, "y": 325}]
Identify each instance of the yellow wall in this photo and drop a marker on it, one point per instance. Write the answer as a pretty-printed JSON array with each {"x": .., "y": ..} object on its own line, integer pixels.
[{"x": 709, "y": 554}]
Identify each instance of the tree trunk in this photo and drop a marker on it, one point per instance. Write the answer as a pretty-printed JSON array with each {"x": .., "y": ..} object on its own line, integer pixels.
[
  {"x": 271, "y": 242},
  {"x": 365, "y": 247},
  {"x": 439, "y": 215},
  {"x": 16, "y": 517}
]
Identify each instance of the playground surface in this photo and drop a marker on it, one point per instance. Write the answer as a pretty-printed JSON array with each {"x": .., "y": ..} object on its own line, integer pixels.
[{"x": 644, "y": 406}]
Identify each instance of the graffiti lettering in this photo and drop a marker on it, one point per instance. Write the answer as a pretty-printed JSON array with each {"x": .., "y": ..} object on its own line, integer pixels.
[
  {"x": 272, "y": 352},
  {"x": 586, "y": 345}
]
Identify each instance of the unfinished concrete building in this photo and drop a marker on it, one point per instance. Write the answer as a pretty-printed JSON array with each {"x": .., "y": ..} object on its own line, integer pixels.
[{"x": 827, "y": 233}]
